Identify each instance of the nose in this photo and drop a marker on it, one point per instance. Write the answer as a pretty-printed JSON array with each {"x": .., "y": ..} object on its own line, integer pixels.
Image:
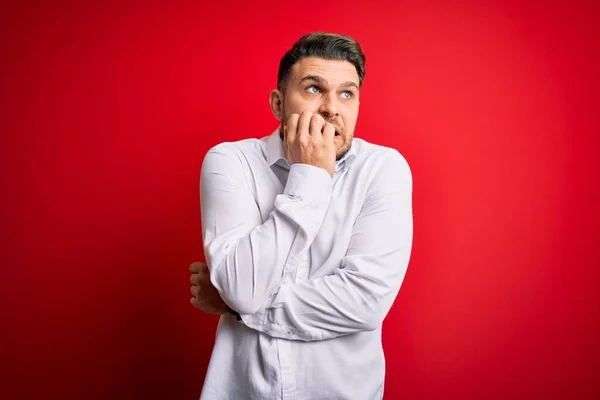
[{"x": 329, "y": 107}]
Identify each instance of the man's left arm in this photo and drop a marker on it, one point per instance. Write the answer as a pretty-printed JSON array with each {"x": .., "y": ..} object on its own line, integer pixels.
[{"x": 358, "y": 296}]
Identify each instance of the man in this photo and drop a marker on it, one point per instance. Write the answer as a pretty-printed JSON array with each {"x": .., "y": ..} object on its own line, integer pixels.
[{"x": 307, "y": 236}]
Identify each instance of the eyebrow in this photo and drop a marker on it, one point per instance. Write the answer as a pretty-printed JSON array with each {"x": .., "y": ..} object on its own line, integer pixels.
[{"x": 323, "y": 81}]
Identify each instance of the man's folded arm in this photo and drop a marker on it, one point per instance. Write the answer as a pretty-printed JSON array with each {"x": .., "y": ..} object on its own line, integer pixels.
[
  {"x": 246, "y": 256},
  {"x": 358, "y": 296}
]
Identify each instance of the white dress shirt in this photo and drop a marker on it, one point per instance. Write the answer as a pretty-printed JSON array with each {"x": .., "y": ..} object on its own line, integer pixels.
[{"x": 312, "y": 264}]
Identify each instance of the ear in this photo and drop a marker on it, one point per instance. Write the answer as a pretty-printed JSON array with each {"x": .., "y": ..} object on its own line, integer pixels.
[{"x": 276, "y": 100}]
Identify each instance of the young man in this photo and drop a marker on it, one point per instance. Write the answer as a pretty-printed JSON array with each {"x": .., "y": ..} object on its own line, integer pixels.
[{"x": 307, "y": 235}]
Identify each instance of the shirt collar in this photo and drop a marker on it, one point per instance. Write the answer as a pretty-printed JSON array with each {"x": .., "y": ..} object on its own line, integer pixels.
[
  {"x": 348, "y": 158},
  {"x": 276, "y": 152}
]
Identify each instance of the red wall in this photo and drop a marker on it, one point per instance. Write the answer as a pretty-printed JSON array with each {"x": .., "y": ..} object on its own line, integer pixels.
[{"x": 107, "y": 111}]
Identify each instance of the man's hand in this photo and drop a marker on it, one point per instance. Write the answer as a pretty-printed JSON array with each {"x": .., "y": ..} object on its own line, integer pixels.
[
  {"x": 309, "y": 140},
  {"x": 205, "y": 297}
]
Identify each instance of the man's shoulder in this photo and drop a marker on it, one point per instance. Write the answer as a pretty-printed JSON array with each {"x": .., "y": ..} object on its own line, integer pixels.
[
  {"x": 368, "y": 152},
  {"x": 235, "y": 155},
  {"x": 250, "y": 146},
  {"x": 385, "y": 167}
]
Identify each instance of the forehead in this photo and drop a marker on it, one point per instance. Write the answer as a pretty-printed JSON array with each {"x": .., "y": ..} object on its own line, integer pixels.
[{"x": 333, "y": 71}]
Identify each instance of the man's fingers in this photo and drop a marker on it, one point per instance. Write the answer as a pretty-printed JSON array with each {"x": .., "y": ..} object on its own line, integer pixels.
[
  {"x": 328, "y": 132},
  {"x": 195, "y": 290},
  {"x": 200, "y": 268},
  {"x": 197, "y": 266},
  {"x": 316, "y": 125},
  {"x": 199, "y": 277},
  {"x": 304, "y": 125}
]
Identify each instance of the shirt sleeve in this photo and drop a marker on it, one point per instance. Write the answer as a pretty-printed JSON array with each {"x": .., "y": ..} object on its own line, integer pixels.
[
  {"x": 245, "y": 255},
  {"x": 358, "y": 296}
]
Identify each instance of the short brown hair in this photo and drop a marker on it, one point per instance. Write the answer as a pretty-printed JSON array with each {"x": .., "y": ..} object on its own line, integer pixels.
[{"x": 329, "y": 46}]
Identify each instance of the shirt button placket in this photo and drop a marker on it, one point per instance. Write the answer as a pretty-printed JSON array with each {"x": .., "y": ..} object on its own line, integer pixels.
[{"x": 286, "y": 363}]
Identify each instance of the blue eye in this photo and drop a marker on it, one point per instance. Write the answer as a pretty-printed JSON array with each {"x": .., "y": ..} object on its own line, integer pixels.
[
  {"x": 347, "y": 94},
  {"x": 313, "y": 89}
]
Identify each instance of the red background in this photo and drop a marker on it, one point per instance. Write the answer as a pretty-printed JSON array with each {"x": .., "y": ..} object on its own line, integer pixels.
[{"x": 107, "y": 111}]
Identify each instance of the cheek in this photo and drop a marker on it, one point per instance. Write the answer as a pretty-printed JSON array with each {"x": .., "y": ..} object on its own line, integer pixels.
[
  {"x": 349, "y": 121},
  {"x": 296, "y": 103}
]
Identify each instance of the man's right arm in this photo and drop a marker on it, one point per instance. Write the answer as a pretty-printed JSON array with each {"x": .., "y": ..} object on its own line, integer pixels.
[{"x": 246, "y": 257}]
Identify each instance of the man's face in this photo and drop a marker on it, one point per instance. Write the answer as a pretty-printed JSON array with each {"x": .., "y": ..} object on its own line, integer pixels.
[{"x": 326, "y": 87}]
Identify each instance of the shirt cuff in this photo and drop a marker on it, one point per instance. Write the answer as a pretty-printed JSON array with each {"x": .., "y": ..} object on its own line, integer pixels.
[{"x": 310, "y": 183}]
